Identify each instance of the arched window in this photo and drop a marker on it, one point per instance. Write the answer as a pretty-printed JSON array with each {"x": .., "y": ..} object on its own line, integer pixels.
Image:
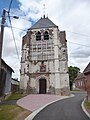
[
  {"x": 38, "y": 36},
  {"x": 46, "y": 36}
]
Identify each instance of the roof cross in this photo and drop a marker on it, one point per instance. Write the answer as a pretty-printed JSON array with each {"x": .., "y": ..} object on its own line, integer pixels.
[{"x": 44, "y": 10}]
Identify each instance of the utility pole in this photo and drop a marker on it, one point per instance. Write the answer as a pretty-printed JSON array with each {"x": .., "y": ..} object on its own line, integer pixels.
[
  {"x": 1, "y": 35},
  {"x": 1, "y": 45}
]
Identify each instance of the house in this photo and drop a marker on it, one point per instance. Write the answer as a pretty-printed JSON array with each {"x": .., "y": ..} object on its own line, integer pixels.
[
  {"x": 80, "y": 81},
  {"x": 14, "y": 85},
  {"x": 87, "y": 74},
  {"x": 44, "y": 60},
  {"x": 5, "y": 78}
]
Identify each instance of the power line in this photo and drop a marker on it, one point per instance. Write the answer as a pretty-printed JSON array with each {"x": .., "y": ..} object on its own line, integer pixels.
[
  {"x": 27, "y": 30},
  {"x": 10, "y": 6},
  {"x": 14, "y": 27},
  {"x": 13, "y": 37},
  {"x": 66, "y": 30},
  {"x": 78, "y": 33},
  {"x": 78, "y": 44}
]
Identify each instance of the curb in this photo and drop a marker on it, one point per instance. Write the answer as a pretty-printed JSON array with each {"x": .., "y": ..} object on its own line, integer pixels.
[
  {"x": 83, "y": 108},
  {"x": 32, "y": 115}
]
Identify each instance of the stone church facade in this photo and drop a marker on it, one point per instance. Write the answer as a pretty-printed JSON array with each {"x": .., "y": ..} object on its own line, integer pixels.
[{"x": 44, "y": 60}]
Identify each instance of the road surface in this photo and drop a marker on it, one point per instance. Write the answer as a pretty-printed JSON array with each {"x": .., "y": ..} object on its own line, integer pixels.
[{"x": 68, "y": 109}]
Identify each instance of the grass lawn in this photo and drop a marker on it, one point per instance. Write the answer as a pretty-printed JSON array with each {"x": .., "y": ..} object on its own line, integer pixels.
[
  {"x": 87, "y": 106},
  {"x": 15, "y": 96},
  {"x": 13, "y": 112}
]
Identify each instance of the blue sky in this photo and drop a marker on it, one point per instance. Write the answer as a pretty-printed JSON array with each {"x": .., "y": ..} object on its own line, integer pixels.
[
  {"x": 5, "y": 4},
  {"x": 71, "y": 16}
]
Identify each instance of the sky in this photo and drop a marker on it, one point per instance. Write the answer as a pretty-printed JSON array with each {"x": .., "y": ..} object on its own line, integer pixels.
[{"x": 73, "y": 16}]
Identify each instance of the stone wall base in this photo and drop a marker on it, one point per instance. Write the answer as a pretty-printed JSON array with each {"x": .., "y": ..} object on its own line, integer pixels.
[
  {"x": 65, "y": 91},
  {"x": 31, "y": 90},
  {"x": 51, "y": 90},
  {"x": 57, "y": 91},
  {"x": 23, "y": 91}
]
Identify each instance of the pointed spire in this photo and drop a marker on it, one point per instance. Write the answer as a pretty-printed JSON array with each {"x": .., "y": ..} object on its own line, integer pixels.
[{"x": 43, "y": 10}]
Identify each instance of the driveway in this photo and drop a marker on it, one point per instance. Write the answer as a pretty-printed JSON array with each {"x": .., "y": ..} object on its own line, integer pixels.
[
  {"x": 67, "y": 109},
  {"x": 35, "y": 101}
]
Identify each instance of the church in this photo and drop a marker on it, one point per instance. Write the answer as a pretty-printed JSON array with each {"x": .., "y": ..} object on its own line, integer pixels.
[{"x": 44, "y": 60}]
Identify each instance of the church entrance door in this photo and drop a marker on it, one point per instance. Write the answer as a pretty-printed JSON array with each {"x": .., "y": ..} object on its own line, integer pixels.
[{"x": 42, "y": 86}]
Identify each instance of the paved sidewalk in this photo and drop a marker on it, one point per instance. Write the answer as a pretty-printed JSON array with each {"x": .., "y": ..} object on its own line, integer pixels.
[
  {"x": 34, "y": 102},
  {"x": 9, "y": 102}
]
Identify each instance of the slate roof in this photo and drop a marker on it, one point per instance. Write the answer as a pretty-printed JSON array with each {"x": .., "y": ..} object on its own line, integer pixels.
[
  {"x": 87, "y": 69},
  {"x": 3, "y": 62},
  {"x": 43, "y": 23}
]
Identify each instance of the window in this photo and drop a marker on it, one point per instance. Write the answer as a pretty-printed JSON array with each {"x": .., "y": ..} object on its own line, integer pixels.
[
  {"x": 38, "y": 36},
  {"x": 46, "y": 36}
]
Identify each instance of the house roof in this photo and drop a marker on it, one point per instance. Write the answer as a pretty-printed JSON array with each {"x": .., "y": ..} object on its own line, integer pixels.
[
  {"x": 80, "y": 76},
  {"x": 3, "y": 62},
  {"x": 43, "y": 23},
  {"x": 15, "y": 81},
  {"x": 87, "y": 69}
]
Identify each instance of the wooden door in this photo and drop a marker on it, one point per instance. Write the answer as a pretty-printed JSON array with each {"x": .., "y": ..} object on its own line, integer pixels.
[{"x": 42, "y": 86}]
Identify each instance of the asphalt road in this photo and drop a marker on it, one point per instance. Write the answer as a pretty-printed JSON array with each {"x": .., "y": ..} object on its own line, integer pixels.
[{"x": 68, "y": 109}]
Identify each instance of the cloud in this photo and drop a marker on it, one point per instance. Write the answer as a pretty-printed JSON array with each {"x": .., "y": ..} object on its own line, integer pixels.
[
  {"x": 81, "y": 53},
  {"x": 71, "y": 16}
]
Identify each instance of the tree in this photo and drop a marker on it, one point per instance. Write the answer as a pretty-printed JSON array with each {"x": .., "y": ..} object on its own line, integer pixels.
[{"x": 73, "y": 71}]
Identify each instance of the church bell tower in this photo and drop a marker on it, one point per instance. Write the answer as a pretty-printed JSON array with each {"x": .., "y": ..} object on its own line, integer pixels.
[{"x": 44, "y": 61}]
